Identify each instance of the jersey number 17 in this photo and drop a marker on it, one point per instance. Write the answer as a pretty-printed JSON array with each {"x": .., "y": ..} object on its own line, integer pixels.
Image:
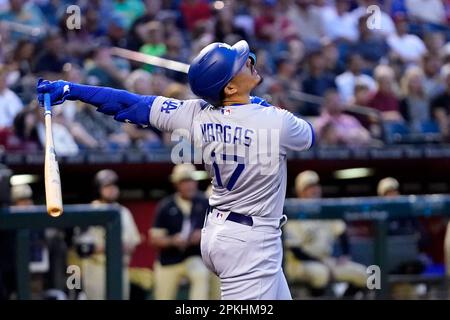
[{"x": 234, "y": 176}]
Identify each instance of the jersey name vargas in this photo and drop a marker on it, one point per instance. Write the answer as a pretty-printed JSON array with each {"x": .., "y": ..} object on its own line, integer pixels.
[{"x": 217, "y": 132}]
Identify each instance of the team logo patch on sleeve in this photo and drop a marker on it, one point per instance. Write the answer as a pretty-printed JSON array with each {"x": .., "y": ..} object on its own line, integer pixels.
[{"x": 170, "y": 105}]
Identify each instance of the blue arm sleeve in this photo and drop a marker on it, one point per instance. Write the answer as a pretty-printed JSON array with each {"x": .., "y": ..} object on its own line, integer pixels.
[{"x": 123, "y": 105}]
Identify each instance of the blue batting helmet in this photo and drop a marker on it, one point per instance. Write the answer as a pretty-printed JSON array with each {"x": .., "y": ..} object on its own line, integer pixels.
[{"x": 215, "y": 66}]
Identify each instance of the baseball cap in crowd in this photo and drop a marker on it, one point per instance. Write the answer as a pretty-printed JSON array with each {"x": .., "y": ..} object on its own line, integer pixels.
[
  {"x": 105, "y": 177},
  {"x": 21, "y": 192},
  {"x": 186, "y": 171},
  {"x": 387, "y": 184},
  {"x": 306, "y": 179},
  {"x": 118, "y": 20},
  {"x": 281, "y": 58}
]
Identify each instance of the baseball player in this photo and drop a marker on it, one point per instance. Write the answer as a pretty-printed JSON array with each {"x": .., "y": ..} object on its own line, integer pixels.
[
  {"x": 310, "y": 246},
  {"x": 244, "y": 144},
  {"x": 93, "y": 263},
  {"x": 177, "y": 233}
]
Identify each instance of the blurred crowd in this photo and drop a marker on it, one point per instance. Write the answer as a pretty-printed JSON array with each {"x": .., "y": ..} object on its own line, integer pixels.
[
  {"x": 363, "y": 75},
  {"x": 172, "y": 233},
  {"x": 322, "y": 254},
  {"x": 322, "y": 258}
]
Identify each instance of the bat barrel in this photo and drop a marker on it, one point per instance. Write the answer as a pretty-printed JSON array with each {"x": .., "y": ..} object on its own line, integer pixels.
[{"x": 52, "y": 178}]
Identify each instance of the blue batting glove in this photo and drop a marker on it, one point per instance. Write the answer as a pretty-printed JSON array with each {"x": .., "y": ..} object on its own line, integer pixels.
[{"x": 59, "y": 91}]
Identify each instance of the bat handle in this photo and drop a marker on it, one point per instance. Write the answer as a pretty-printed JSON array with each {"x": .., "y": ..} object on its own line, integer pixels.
[{"x": 47, "y": 104}]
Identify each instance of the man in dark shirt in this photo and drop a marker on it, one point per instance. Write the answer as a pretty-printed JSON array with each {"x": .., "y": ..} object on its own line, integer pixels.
[
  {"x": 316, "y": 82},
  {"x": 440, "y": 107},
  {"x": 53, "y": 57},
  {"x": 176, "y": 233},
  {"x": 370, "y": 45}
]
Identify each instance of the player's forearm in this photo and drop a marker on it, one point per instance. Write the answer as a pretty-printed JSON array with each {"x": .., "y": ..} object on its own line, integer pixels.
[
  {"x": 163, "y": 242},
  {"x": 300, "y": 254},
  {"x": 98, "y": 96},
  {"x": 195, "y": 237},
  {"x": 123, "y": 105}
]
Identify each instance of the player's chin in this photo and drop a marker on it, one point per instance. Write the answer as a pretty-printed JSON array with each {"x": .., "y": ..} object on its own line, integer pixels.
[{"x": 258, "y": 80}]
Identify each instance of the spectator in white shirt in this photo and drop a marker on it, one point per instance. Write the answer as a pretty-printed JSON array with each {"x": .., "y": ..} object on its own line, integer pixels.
[
  {"x": 338, "y": 22},
  {"x": 346, "y": 81},
  {"x": 408, "y": 47},
  {"x": 308, "y": 22},
  {"x": 10, "y": 104},
  {"x": 65, "y": 144},
  {"x": 386, "y": 25},
  {"x": 431, "y": 11}
]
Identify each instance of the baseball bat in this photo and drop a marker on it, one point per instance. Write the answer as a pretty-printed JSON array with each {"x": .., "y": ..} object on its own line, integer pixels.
[
  {"x": 52, "y": 178},
  {"x": 152, "y": 60}
]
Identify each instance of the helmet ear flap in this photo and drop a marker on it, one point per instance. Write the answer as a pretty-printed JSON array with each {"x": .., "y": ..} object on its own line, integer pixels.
[
  {"x": 222, "y": 94},
  {"x": 252, "y": 57}
]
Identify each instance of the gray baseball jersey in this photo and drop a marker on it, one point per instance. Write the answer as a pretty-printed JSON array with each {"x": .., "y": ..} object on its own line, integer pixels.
[{"x": 243, "y": 147}]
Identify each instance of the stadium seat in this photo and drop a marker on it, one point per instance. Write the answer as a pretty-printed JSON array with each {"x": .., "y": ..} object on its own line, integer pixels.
[
  {"x": 394, "y": 132},
  {"x": 429, "y": 127},
  {"x": 402, "y": 248},
  {"x": 399, "y": 132}
]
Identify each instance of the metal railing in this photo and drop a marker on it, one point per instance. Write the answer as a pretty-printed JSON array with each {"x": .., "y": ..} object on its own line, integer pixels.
[
  {"x": 22, "y": 220},
  {"x": 375, "y": 209}
]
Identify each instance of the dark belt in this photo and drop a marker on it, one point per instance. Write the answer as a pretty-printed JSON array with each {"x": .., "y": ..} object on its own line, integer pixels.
[
  {"x": 240, "y": 218},
  {"x": 247, "y": 220},
  {"x": 237, "y": 217},
  {"x": 243, "y": 219}
]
